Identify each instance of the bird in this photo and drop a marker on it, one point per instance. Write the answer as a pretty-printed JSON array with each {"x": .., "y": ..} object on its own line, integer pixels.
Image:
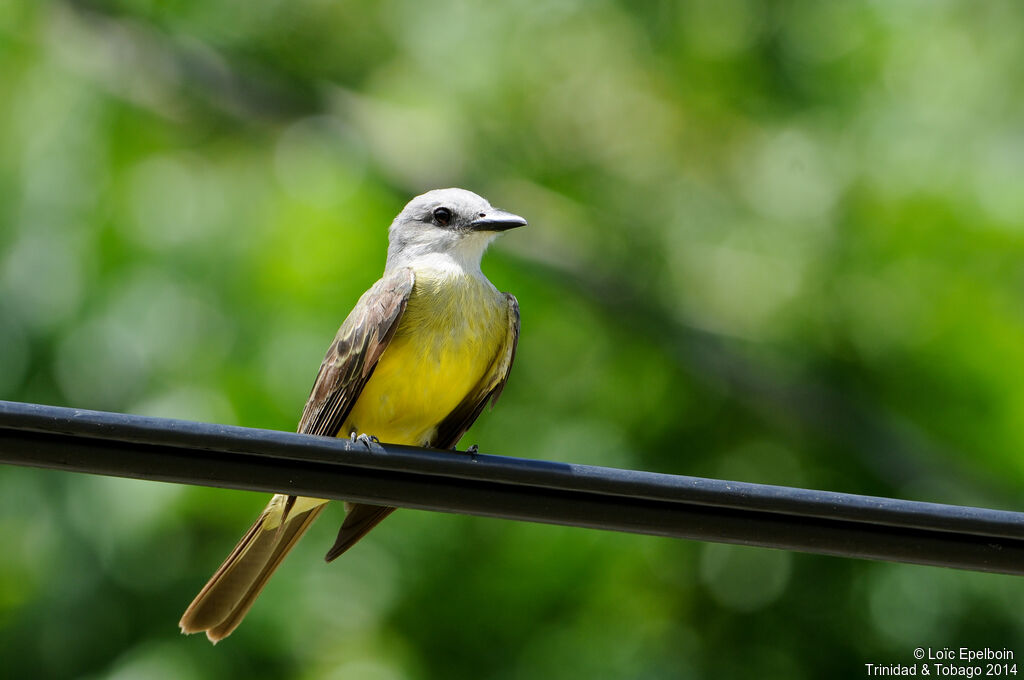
[{"x": 416, "y": 361}]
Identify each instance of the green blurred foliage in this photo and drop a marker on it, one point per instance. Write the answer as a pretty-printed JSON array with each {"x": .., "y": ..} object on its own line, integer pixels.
[{"x": 777, "y": 242}]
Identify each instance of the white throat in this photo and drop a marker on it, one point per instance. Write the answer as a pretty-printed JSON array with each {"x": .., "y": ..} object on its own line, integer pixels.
[{"x": 460, "y": 255}]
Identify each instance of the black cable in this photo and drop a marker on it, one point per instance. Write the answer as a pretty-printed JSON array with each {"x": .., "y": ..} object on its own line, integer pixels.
[{"x": 512, "y": 488}]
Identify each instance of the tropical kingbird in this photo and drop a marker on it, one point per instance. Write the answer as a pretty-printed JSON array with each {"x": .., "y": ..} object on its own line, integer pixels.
[{"x": 417, "y": 359}]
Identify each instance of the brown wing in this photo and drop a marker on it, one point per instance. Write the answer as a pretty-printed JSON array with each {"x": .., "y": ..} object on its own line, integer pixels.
[
  {"x": 451, "y": 429},
  {"x": 353, "y": 355},
  {"x": 349, "y": 363}
]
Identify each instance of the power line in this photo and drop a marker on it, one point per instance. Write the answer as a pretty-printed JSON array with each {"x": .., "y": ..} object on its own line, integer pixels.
[{"x": 807, "y": 520}]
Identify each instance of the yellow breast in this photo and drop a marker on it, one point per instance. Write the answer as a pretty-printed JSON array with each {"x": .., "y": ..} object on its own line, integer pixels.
[{"x": 452, "y": 329}]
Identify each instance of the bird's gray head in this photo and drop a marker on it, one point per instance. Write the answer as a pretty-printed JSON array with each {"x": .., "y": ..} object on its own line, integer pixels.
[{"x": 446, "y": 228}]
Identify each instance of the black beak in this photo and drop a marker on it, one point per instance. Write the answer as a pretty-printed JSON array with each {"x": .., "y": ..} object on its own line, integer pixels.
[{"x": 497, "y": 220}]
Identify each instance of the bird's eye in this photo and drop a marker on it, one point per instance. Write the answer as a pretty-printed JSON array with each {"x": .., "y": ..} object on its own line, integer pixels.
[{"x": 442, "y": 216}]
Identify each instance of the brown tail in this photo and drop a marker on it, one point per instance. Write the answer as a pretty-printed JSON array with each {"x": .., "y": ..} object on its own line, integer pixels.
[
  {"x": 359, "y": 519},
  {"x": 223, "y": 602}
]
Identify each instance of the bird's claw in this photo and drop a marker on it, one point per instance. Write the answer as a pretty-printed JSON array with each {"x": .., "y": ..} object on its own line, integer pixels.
[
  {"x": 368, "y": 440},
  {"x": 473, "y": 450}
]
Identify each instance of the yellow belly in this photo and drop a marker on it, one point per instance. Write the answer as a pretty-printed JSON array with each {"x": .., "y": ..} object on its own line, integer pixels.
[{"x": 446, "y": 342}]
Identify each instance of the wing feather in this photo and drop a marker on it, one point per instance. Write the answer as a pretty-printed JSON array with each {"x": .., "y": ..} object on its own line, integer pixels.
[{"x": 354, "y": 353}]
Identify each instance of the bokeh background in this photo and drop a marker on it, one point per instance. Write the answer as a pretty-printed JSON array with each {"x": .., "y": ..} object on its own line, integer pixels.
[{"x": 776, "y": 242}]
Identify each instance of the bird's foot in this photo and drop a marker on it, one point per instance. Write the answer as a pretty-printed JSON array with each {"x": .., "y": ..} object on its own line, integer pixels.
[
  {"x": 472, "y": 451},
  {"x": 368, "y": 440}
]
